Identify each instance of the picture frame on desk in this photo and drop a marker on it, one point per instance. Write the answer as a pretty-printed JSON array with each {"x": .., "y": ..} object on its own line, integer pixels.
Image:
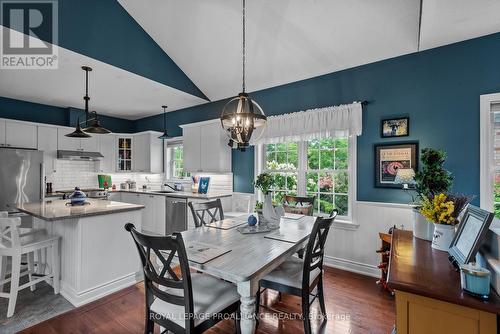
[{"x": 470, "y": 235}]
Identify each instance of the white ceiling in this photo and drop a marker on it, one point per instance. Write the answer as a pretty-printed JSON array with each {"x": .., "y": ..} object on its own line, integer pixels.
[
  {"x": 290, "y": 40},
  {"x": 449, "y": 21},
  {"x": 113, "y": 91}
]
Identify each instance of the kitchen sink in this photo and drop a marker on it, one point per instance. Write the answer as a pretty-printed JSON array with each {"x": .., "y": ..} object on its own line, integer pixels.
[{"x": 164, "y": 191}]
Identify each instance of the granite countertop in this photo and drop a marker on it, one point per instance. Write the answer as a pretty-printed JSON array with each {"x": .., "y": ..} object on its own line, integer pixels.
[
  {"x": 183, "y": 194},
  {"x": 58, "y": 210}
]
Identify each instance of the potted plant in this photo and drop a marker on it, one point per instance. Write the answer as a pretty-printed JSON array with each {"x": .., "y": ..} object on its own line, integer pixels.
[
  {"x": 431, "y": 180},
  {"x": 443, "y": 210}
]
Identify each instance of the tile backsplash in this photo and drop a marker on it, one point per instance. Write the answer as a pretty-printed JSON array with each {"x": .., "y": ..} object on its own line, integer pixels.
[{"x": 70, "y": 174}]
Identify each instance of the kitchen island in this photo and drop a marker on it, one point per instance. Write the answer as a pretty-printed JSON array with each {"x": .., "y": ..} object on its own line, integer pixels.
[{"x": 98, "y": 256}]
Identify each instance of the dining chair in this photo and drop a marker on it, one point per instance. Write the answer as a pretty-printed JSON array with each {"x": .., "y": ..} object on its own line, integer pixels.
[
  {"x": 299, "y": 205},
  {"x": 207, "y": 212},
  {"x": 15, "y": 244},
  {"x": 241, "y": 204},
  {"x": 185, "y": 303},
  {"x": 300, "y": 277}
]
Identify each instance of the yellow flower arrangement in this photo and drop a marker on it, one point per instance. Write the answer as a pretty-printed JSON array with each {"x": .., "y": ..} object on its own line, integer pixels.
[{"x": 439, "y": 209}]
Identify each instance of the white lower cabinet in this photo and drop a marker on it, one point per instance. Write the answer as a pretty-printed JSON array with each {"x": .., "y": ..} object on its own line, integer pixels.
[{"x": 154, "y": 213}]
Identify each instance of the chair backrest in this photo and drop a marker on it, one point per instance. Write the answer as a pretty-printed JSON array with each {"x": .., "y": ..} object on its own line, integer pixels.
[
  {"x": 163, "y": 282},
  {"x": 300, "y": 205},
  {"x": 206, "y": 213},
  {"x": 242, "y": 203},
  {"x": 9, "y": 232},
  {"x": 315, "y": 249}
]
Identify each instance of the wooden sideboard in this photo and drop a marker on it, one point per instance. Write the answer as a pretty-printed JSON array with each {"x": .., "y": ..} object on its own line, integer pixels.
[{"x": 429, "y": 299}]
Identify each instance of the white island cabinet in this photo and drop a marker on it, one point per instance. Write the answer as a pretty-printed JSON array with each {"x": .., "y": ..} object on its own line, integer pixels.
[{"x": 98, "y": 255}]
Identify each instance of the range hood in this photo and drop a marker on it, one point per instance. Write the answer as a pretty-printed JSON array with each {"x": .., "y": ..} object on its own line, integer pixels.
[{"x": 79, "y": 155}]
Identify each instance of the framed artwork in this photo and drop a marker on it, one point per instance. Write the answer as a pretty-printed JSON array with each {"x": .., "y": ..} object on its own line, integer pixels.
[
  {"x": 471, "y": 232},
  {"x": 389, "y": 158},
  {"x": 396, "y": 127},
  {"x": 203, "y": 184}
]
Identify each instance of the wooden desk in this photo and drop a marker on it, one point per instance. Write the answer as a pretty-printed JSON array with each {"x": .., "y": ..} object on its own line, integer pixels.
[{"x": 428, "y": 295}]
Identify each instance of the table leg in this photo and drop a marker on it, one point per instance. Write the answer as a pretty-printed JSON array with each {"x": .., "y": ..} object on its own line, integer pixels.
[{"x": 247, "y": 292}]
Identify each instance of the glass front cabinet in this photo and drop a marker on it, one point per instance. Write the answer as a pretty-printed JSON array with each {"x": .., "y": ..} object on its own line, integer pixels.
[{"x": 124, "y": 161}]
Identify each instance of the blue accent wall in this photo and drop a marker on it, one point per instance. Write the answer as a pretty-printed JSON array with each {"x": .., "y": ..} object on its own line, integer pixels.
[
  {"x": 42, "y": 113},
  {"x": 438, "y": 89},
  {"x": 103, "y": 30}
]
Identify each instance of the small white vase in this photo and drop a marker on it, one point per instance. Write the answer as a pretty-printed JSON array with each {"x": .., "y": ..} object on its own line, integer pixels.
[
  {"x": 422, "y": 228},
  {"x": 269, "y": 212},
  {"x": 443, "y": 236}
]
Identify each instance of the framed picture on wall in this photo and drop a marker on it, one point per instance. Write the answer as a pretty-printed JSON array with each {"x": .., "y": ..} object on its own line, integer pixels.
[
  {"x": 396, "y": 127},
  {"x": 389, "y": 158}
]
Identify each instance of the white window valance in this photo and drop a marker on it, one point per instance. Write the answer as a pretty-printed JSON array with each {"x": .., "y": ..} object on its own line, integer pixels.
[{"x": 336, "y": 121}]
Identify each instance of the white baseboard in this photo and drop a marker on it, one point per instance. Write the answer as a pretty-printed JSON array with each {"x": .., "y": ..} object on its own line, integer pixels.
[
  {"x": 87, "y": 296},
  {"x": 352, "y": 266}
]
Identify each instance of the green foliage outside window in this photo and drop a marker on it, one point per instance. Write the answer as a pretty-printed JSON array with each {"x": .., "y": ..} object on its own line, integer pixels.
[
  {"x": 178, "y": 163},
  {"x": 496, "y": 201}
]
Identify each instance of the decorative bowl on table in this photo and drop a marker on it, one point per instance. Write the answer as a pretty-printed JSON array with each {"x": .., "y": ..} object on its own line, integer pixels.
[{"x": 78, "y": 197}]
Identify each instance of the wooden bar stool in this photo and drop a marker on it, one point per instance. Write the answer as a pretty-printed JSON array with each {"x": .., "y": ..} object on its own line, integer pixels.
[{"x": 15, "y": 244}]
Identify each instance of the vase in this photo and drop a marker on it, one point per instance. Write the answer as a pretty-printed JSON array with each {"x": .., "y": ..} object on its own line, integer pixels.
[
  {"x": 443, "y": 236},
  {"x": 270, "y": 213},
  {"x": 422, "y": 228}
]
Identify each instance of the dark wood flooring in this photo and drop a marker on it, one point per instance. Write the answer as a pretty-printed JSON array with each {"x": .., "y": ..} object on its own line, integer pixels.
[{"x": 355, "y": 303}]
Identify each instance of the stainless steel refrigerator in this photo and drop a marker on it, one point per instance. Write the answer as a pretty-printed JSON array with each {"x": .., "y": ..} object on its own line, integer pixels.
[{"x": 21, "y": 177}]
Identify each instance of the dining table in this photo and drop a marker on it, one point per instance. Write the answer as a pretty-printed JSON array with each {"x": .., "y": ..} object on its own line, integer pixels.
[{"x": 248, "y": 257}]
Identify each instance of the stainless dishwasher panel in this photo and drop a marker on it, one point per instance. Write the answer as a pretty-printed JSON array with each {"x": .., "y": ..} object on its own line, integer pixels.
[{"x": 176, "y": 209}]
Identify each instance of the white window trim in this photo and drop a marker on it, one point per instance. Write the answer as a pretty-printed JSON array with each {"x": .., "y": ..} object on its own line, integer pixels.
[
  {"x": 486, "y": 151},
  {"x": 346, "y": 222},
  {"x": 167, "y": 154}
]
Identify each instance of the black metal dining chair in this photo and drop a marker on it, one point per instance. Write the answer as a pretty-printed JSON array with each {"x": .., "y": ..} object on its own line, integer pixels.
[
  {"x": 300, "y": 277},
  {"x": 185, "y": 303},
  {"x": 207, "y": 212}
]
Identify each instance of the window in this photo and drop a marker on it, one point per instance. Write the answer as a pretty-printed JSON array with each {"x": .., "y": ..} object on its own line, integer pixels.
[
  {"x": 282, "y": 162},
  {"x": 327, "y": 175},
  {"x": 321, "y": 168},
  {"x": 490, "y": 153},
  {"x": 175, "y": 161}
]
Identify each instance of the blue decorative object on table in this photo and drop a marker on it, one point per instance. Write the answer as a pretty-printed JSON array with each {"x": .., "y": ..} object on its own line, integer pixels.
[
  {"x": 78, "y": 197},
  {"x": 203, "y": 185},
  {"x": 475, "y": 280},
  {"x": 252, "y": 220}
]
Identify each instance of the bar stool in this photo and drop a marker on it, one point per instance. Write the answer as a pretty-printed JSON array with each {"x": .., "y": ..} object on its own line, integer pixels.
[{"x": 15, "y": 244}]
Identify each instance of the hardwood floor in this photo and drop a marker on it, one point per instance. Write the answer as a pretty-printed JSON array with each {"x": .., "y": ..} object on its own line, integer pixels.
[{"x": 355, "y": 303}]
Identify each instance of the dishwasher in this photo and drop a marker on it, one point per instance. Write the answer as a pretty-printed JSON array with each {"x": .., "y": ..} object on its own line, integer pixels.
[{"x": 176, "y": 209}]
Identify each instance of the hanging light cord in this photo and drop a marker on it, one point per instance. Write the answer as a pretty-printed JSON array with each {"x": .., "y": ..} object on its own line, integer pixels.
[
  {"x": 86, "y": 97},
  {"x": 243, "y": 58}
]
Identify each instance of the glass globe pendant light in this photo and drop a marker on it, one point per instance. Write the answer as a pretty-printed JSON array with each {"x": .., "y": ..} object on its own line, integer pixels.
[{"x": 242, "y": 118}]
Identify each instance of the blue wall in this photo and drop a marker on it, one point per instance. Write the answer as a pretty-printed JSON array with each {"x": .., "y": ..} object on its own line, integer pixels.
[
  {"x": 42, "y": 113},
  {"x": 438, "y": 89}
]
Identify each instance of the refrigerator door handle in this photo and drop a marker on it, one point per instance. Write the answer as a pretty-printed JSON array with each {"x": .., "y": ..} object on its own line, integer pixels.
[{"x": 42, "y": 181}]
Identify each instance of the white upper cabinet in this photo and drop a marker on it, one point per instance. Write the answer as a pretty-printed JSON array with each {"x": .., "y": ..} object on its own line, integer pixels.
[
  {"x": 147, "y": 153},
  {"x": 90, "y": 144},
  {"x": 67, "y": 143},
  {"x": 107, "y": 147},
  {"x": 47, "y": 142},
  {"x": 2, "y": 132},
  {"x": 205, "y": 148},
  {"x": 191, "y": 143},
  {"x": 21, "y": 135}
]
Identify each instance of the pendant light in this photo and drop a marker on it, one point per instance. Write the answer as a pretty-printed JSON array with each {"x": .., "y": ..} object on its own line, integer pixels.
[
  {"x": 242, "y": 117},
  {"x": 78, "y": 133},
  {"x": 165, "y": 134},
  {"x": 95, "y": 126}
]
